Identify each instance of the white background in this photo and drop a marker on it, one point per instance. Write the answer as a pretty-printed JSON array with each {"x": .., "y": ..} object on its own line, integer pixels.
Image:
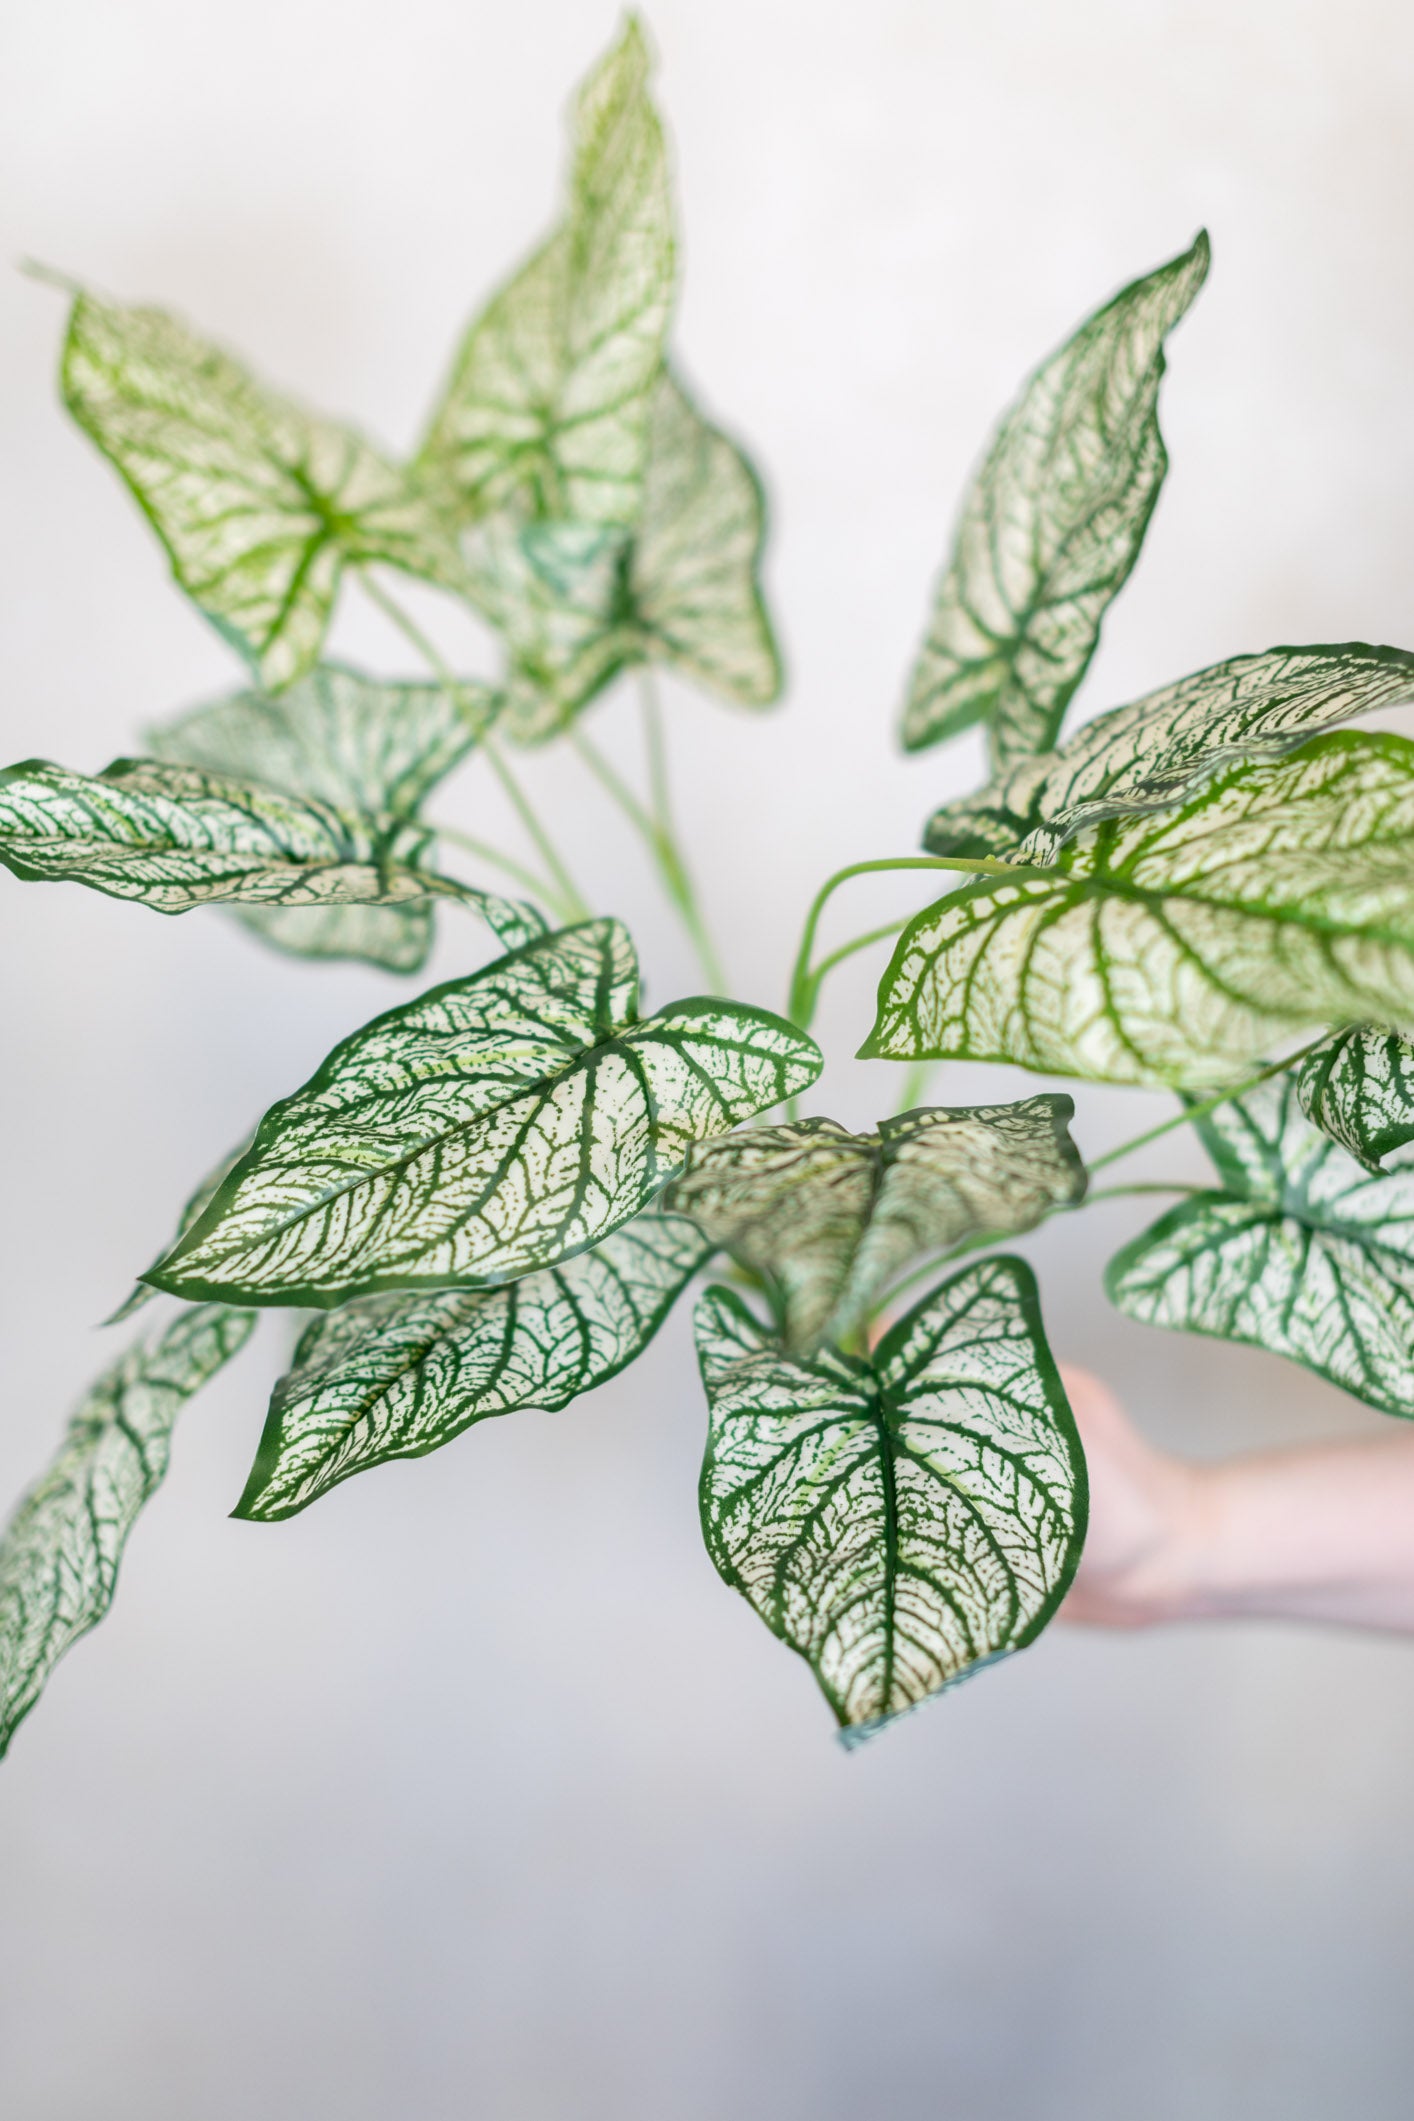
[{"x": 472, "y": 1792}]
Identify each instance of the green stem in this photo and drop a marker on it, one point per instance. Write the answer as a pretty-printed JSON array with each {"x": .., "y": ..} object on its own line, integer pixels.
[
  {"x": 571, "y": 903},
  {"x": 914, "y": 1084},
  {"x": 1192, "y": 1112},
  {"x": 528, "y": 879}
]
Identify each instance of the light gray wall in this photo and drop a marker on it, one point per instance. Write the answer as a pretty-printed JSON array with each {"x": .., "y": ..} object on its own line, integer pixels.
[{"x": 472, "y": 1792}]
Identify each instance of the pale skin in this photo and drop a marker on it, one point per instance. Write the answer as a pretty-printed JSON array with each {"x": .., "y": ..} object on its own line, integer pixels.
[{"x": 1322, "y": 1532}]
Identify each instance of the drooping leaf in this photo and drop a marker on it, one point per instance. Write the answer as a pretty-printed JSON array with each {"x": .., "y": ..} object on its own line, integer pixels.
[
  {"x": 902, "y": 1519},
  {"x": 173, "y": 837},
  {"x": 1358, "y": 1087},
  {"x": 1161, "y": 750},
  {"x": 1302, "y": 1252},
  {"x": 547, "y": 409},
  {"x": 1178, "y": 949},
  {"x": 259, "y": 505},
  {"x": 557, "y": 593},
  {"x": 369, "y": 748},
  {"x": 828, "y": 1218},
  {"x": 1052, "y": 526},
  {"x": 60, "y": 1554},
  {"x": 398, "y": 1375},
  {"x": 496, "y": 1125}
]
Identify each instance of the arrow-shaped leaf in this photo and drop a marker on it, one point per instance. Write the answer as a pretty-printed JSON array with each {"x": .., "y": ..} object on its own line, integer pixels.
[
  {"x": 547, "y": 409},
  {"x": 1177, "y": 949},
  {"x": 1358, "y": 1087},
  {"x": 557, "y": 594},
  {"x": 259, "y": 505},
  {"x": 902, "y": 1519},
  {"x": 495, "y": 1125},
  {"x": 828, "y": 1218},
  {"x": 1052, "y": 526},
  {"x": 1159, "y": 751},
  {"x": 1301, "y": 1252},
  {"x": 396, "y": 1376},
  {"x": 173, "y": 837},
  {"x": 60, "y": 1554}
]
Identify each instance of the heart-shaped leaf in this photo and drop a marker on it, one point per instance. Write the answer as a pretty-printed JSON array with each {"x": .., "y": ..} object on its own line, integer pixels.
[
  {"x": 1302, "y": 1252},
  {"x": 495, "y": 1125},
  {"x": 829, "y": 1218},
  {"x": 259, "y": 505},
  {"x": 902, "y": 1519},
  {"x": 557, "y": 594},
  {"x": 367, "y": 747},
  {"x": 1177, "y": 949},
  {"x": 548, "y": 405},
  {"x": 60, "y": 1554},
  {"x": 1052, "y": 526},
  {"x": 398, "y": 1375},
  {"x": 173, "y": 837},
  {"x": 1161, "y": 750},
  {"x": 1358, "y": 1087}
]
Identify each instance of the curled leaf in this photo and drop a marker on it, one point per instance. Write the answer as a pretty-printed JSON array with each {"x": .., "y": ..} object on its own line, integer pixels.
[{"x": 1358, "y": 1087}]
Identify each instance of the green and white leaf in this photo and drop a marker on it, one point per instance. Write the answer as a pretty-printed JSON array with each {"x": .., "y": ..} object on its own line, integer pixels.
[
  {"x": 1179, "y": 949},
  {"x": 364, "y": 746},
  {"x": 198, "y": 1202},
  {"x": 1051, "y": 527},
  {"x": 259, "y": 504},
  {"x": 1358, "y": 1087},
  {"x": 1159, "y": 751},
  {"x": 901, "y": 1520},
  {"x": 496, "y": 1125},
  {"x": 547, "y": 409},
  {"x": 396, "y": 1376},
  {"x": 829, "y": 1218},
  {"x": 60, "y": 1554},
  {"x": 1302, "y": 1252},
  {"x": 557, "y": 593}
]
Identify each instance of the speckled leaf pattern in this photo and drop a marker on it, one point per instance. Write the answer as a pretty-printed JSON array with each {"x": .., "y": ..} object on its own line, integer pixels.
[
  {"x": 196, "y": 1205},
  {"x": 398, "y": 1375},
  {"x": 1052, "y": 526},
  {"x": 1302, "y": 1252},
  {"x": 899, "y": 1520},
  {"x": 829, "y": 1218},
  {"x": 1358, "y": 1087},
  {"x": 496, "y": 1125},
  {"x": 173, "y": 837},
  {"x": 259, "y": 504},
  {"x": 363, "y": 745},
  {"x": 557, "y": 592},
  {"x": 1161, "y": 750},
  {"x": 1178, "y": 949},
  {"x": 547, "y": 409},
  {"x": 60, "y": 1554}
]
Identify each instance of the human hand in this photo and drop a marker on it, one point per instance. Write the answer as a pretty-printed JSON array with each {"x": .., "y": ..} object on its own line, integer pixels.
[{"x": 1148, "y": 1513}]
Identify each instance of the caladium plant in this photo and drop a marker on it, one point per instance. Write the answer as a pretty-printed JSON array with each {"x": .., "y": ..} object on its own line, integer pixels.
[{"x": 490, "y": 1197}]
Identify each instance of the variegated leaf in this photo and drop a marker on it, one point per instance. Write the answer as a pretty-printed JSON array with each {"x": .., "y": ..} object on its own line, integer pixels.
[
  {"x": 259, "y": 505},
  {"x": 547, "y": 409},
  {"x": 496, "y": 1125},
  {"x": 1358, "y": 1087},
  {"x": 901, "y": 1519},
  {"x": 196, "y": 1205},
  {"x": 367, "y": 747},
  {"x": 173, "y": 837},
  {"x": 396, "y": 1376},
  {"x": 829, "y": 1218},
  {"x": 557, "y": 594},
  {"x": 1302, "y": 1252},
  {"x": 1161, "y": 750},
  {"x": 1052, "y": 526},
  {"x": 60, "y": 1554},
  {"x": 1178, "y": 949}
]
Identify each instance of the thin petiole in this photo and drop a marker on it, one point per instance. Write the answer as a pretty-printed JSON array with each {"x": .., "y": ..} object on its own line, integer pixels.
[
  {"x": 538, "y": 886},
  {"x": 1211, "y": 1104}
]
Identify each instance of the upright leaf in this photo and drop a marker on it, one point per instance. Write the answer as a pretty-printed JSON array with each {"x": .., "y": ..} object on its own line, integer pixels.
[
  {"x": 259, "y": 505},
  {"x": 900, "y": 1520},
  {"x": 1163, "y": 749},
  {"x": 498, "y": 1124},
  {"x": 60, "y": 1554},
  {"x": 1178, "y": 949},
  {"x": 547, "y": 409},
  {"x": 1052, "y": 526},
  {"x": 1358, "y": 1087},
  {"x": 372, "y": 749},
  {"x": 173, "y": 837},
  {"x": 828, "y": 1218},
  {"x": 396, "y": 1376},
  {"x": 1301, "y": 1252}
]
